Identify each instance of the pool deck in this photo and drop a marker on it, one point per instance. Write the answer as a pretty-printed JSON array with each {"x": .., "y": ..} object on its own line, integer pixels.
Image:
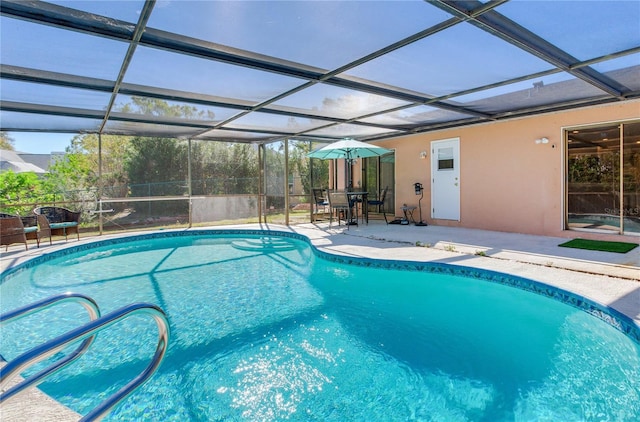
[{"x": 611, "y": 279}]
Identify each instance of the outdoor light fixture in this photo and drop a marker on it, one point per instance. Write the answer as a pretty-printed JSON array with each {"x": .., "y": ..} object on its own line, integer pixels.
[
  {"x": 542, "y": 141},
  {"x": 423, "y": 155}
]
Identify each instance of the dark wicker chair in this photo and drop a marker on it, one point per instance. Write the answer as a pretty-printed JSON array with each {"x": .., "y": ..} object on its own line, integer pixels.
[
  {"x": 59, "y": 221},
  {"x": 42, "y": 225},
  {"x": 12, "y": 231}
]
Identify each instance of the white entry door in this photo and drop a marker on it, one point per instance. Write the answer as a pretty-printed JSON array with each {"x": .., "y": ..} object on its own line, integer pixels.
[{"x": 445, "y": 179}]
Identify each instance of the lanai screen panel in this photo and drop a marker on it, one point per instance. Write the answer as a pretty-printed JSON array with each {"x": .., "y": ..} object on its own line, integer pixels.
[
  {"x": 584, "y": 29},
  {"x": 624, "y": 70},
  {"x": 263, "y": 71},
  {"x": 324, "y": 35}
]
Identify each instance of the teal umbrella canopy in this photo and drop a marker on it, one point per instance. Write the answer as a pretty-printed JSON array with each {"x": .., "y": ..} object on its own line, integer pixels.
[{"x": 349, "y": 149}]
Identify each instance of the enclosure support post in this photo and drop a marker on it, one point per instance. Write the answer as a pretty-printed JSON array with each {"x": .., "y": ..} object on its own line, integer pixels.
[
  {"x": 261, "y": 165},
  {"x": 311, "y": 178},
  {"x": 189, "y": 182},
  {"x": 286, "y": 182},
  {"x": 621, "y": 187},
  {"x": 100, "y": 183}
]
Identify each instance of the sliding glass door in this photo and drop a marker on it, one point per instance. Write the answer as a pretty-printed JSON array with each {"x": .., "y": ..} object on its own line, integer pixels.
[
  {"x": 379, "y": 173},
  {"x": 603, "y": 178},
  {"x": 631, "y": 178}
]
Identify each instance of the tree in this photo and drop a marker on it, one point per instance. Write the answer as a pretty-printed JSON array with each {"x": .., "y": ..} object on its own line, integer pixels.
[
  {"x": 301, "y": 165},
  {"x": 73, "y": 178},
  {"x": 115, "y": 152},
  {"x": 69, "y": 173},
  {"x": 16, "y": 188},
  {"x": 220, "y": 168},
  {"x": 274, "y": 170},
  {"x": 601, "y": 170},
  {"x": 243, "y": 165},
  {"x": 6, "y": 142},
  {"x": 157, "y": 167},
  {"x": 157, "y": 107}
]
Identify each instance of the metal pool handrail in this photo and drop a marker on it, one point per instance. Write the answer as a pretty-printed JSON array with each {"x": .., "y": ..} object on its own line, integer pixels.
[
  {"x": 51, "y": 347},
  {"x": 7, "y": 373}
]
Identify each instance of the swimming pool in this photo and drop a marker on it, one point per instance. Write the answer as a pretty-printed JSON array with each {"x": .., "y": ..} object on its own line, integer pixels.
[
  {"x": 265, "y": 327},
  {"x": 604, "y": 222}
]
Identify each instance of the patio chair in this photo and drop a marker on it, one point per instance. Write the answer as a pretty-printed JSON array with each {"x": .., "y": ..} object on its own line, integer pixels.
[
  {"x": 320, "y": 202},
  {"x": 60, "y": 221},
  {"x": 44, "y": 229},
  {"x": 339, "y": 203},
  {"x": 380, "y": 203},
  {"x": 34, "y": 228},
  {"x": 12, "y": 231}
]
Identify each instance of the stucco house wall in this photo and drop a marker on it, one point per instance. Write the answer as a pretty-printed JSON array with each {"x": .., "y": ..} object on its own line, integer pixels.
[{"x": 507, "y": 181}]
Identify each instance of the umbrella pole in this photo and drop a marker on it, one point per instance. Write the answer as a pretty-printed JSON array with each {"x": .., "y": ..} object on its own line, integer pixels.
[
  {"x": 349, "y": 186},
  {"x": 347, "y": 175},
  {"x": 349, "y": 182}
]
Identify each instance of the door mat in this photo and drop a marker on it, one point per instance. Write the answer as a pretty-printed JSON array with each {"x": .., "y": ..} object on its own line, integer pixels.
[{"x": 600, "y": 245}]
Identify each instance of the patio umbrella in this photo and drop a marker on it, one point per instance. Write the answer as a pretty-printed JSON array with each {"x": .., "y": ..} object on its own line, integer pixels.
[{"x": 350, "y": 150}]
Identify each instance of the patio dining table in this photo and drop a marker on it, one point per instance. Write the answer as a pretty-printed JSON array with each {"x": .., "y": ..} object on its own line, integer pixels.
[{"x": 356, "y": 197}]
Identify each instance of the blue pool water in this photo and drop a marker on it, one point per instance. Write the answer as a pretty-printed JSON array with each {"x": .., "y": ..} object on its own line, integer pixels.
[
  {"x": 264, "y": 328},
  {"x": 604, "y": 221}
]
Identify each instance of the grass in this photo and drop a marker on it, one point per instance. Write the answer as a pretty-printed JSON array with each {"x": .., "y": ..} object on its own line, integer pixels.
[{"x": 600, "y": 245}]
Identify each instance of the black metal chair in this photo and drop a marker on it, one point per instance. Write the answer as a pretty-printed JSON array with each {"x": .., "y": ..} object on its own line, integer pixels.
[{"x": 380, "y": 203}]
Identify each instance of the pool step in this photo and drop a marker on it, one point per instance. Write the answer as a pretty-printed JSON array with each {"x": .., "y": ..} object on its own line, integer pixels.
[{"x": 264, "y": 244}]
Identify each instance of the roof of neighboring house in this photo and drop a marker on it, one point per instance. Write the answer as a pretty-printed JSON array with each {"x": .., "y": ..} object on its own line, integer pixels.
[
  {"x": 11, "y": 160},
  {"x": 41, "y": 160}
]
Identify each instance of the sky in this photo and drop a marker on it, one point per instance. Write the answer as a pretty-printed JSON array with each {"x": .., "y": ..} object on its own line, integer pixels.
[{"x": 41, "y": 143}]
